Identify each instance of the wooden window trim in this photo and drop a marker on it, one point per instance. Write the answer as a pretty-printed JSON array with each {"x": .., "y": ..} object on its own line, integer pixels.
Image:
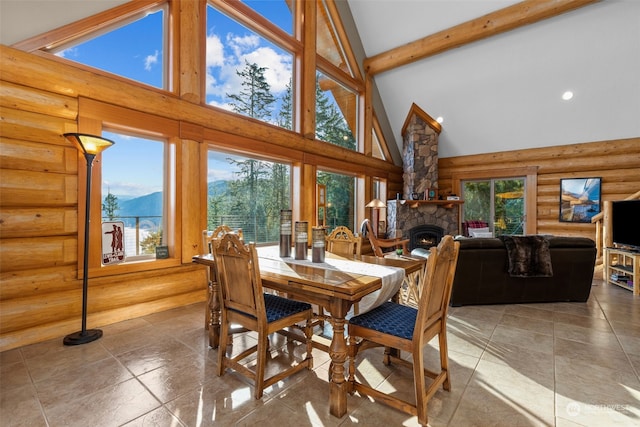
[
  {"x": 90, "y": 25},
  {"x": 93, "y": 117}
]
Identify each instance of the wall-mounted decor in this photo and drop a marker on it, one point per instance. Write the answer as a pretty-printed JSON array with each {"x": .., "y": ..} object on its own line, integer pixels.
[{"x": 579, "y": 199}]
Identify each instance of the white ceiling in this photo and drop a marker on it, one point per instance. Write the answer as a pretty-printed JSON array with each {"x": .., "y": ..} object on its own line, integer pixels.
[
  {"x": 496, "y": 94},
  {"x": 504, "y": 92}
]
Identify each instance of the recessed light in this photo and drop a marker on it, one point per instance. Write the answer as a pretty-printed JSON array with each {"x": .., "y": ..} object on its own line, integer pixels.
[
  {"x": 440, "y": 119},
  {"x": 567, "y": 95}
]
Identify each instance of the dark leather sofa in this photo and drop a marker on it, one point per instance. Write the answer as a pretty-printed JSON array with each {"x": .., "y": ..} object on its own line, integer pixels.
[{"x": 482, "y": 273}]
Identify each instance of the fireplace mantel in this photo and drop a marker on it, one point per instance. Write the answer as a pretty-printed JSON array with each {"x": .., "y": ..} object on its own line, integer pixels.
[{"x": 447, "y": 204}]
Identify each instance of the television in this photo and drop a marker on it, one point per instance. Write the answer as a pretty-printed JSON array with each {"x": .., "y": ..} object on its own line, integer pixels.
[{"x": 625, "y": 216}]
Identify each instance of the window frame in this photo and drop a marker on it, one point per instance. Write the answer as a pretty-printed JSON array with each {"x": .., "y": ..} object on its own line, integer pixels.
[
  {"x": 168, "y": 156},
  {"x": 530, "y": 175},
  {"x": 93, "y": 118},
  {"x": 95, "y": 26},
  {"x": 356, "y": 190},
  {"x": 252, "y": 21}
]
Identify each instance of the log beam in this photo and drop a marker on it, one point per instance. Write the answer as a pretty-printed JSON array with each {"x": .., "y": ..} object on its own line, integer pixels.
[{"x": 506, "y": 19}]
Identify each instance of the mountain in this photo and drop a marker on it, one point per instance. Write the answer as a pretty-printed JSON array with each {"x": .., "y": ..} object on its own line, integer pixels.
[
  {"x": 215, "y": 188},
  {"x": 143, "y": 206},
  {"x": 150, "y": 205}
]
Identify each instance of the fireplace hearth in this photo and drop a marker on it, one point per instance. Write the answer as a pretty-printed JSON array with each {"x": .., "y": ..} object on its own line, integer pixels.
[{"x": 425, "y": 236}]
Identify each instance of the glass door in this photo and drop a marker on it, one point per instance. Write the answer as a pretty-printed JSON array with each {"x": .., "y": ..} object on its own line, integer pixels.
[{"x": 498, "y": 202}]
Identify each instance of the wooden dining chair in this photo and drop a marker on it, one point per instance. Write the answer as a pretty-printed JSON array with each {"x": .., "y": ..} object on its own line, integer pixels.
[
  {"x": 341, "y": 241},
  {"x": 244, "y": 303},
  {"x": 399, "y": 328},
  {"x": 209, "y": 235},
  {"x": 379, "y": 245},
  {"x": 207, "y": 241}
]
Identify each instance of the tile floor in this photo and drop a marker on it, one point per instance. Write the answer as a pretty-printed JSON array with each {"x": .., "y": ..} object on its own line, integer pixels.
[{"x": 563, "y": 364}]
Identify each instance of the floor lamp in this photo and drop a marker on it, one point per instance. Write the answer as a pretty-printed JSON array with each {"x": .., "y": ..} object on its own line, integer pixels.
[
  {"x": 376, "y": 205},
  {"x": 90, "y": 146}
]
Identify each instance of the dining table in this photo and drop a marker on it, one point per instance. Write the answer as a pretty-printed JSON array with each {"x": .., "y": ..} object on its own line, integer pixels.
[{"x": 336, "y": 285}]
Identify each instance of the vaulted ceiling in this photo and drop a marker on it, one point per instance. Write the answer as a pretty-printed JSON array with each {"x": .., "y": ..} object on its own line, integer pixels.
[
  {"x": 499, "y": 93},
  {"x": 505, "y": 92}
]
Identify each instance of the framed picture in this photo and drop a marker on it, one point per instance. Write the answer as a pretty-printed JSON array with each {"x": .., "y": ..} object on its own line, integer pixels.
[
  {"x": 579, "y": 199},
  {"x": 113, "y": 242}
]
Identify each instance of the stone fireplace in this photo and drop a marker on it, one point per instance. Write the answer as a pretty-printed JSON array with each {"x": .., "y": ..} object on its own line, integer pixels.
[{"x": 430, "y": 218}]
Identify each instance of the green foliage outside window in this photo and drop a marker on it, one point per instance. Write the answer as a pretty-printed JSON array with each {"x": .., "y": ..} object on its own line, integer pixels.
[
  {"x": 499, "y": 202},
  {"x": 149, "y": 243},
  {"x": 110, "y": 206}
]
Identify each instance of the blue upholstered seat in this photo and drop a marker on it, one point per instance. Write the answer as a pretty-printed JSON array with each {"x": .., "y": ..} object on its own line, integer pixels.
[
  {"x": 278, "y": 307},
  {"x": 389, "y": 318}
]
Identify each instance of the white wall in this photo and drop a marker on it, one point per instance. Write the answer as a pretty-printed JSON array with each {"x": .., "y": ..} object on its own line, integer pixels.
[{"x": 504, "y": 93}]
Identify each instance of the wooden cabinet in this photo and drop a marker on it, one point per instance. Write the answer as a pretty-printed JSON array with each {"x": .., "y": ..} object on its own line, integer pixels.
[{"x": 622, "y": 268}]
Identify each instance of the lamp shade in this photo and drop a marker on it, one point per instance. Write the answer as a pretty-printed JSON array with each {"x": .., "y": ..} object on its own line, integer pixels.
[
  {"x": 89, "y": 144},
  {"x": 375, "y": 203}
]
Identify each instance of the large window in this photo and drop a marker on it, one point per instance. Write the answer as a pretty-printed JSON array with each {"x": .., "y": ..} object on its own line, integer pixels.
[
  {"x": 135, "y": 48},
  {"x": 247, "y": 193},
  {"x": 134, "y": 191},
  {"x": 246, "y": 73},
  {"x": 336, "y": 112}
]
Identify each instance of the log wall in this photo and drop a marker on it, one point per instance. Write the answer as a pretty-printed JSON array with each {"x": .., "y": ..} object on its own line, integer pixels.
[
  {"x": 40, "y": 289},
  {"x": 40, "y": 293},
  {"x": 617, "y": 162}
]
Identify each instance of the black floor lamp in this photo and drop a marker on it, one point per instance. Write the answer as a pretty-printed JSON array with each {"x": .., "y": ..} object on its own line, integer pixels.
[{"x": 90, "y": 146}]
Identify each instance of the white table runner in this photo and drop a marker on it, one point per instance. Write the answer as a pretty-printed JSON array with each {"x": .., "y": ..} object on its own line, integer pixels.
[{"x": 391, "y": 277}]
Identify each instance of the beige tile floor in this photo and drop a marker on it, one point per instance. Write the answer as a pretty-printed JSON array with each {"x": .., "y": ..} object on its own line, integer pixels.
[{"x": 563, "y": 364}]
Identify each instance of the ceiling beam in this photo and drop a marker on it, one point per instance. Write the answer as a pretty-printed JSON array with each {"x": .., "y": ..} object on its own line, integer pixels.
[{"x": 512, "y": 17}]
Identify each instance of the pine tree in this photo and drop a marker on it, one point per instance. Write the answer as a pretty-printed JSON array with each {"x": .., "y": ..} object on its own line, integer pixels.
[
  {"x": 255, "y": 98},
  {"x": 285, "y": 116},
  {"x": 110, "y": 206},
  {"x": 331, "y": 125}
]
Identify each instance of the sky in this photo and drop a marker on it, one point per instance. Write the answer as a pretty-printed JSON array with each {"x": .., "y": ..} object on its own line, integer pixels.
[{"x": 139, "y": 56}]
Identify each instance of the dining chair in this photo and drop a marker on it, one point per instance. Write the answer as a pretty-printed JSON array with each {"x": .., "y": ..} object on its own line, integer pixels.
[
  {"x": 399, "y": 328},
  {"x": 341, "y": 241},
  {"x": 244, "y": 303},
  {"x": 207, "y": 239},
  {"x": 379, "y": 245},
  {"x": 209, "y": 235}
]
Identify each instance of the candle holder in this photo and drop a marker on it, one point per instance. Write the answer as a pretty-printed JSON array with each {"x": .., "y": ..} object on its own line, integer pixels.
[
  {"x": 285, "y": 233},
  {"x": 318, "y": 244},
  {"x": 302, "y": 239}
]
